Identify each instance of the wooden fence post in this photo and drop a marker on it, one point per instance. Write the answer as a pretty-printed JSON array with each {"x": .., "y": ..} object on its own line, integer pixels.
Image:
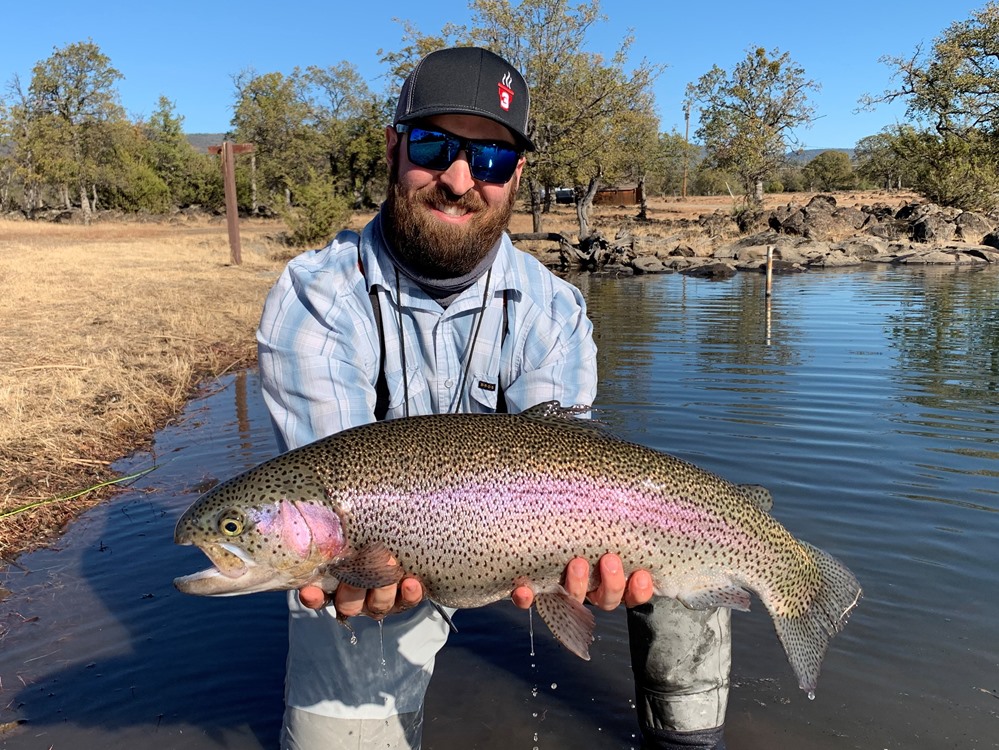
[{"x": 228, "y": 151}]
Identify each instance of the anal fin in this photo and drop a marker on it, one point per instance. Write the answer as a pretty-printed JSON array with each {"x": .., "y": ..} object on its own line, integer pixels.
[
  {"x": 732, "y": 596},
  {"x": 571, "y": 623}
]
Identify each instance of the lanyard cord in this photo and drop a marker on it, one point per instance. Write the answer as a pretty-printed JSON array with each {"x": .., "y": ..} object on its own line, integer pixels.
[
  {"x": 475, "y": 338},
  {"x": 402, "y": 345}
]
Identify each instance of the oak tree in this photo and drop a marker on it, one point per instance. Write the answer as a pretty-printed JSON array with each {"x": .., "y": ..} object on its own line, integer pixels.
[
  {"x": 951, "y": 93},
  {"x": 71, "y": 111},
  {"x": 748, "y": 116}
]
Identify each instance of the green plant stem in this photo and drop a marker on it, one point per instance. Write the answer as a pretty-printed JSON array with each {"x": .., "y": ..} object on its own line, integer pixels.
[{"x": 81, "y": 493}]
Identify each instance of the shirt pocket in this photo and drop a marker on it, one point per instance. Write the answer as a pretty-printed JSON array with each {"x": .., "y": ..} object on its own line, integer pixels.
[
  {"x": 415, "y": 389},
  {"x": 483, "y": 391}
]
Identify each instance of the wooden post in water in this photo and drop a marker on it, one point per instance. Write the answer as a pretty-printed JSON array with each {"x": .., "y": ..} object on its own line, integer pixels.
[
  {"x": 769, "y": 289},
  {"x": 228, "y": 152},
  {"x": 770, "y": 270}
]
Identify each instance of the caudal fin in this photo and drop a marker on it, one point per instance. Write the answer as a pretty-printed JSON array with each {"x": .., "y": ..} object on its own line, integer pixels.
[{"x": 806, "y": 637}]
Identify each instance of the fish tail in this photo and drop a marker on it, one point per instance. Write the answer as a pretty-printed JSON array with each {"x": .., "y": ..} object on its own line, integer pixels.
[{"x": 806, "y": 636}]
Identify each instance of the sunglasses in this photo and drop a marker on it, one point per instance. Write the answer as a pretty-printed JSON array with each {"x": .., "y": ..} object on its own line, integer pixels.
[{"x": 488, "y": 161}]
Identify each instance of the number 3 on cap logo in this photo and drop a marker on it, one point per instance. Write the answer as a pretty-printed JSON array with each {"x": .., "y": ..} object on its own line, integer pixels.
[{"x": 505, "y": 92}]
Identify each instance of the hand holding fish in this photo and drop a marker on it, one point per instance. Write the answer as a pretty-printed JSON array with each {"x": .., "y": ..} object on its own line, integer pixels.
[
  {"x": 351, "y": 601},
  {"x": 612, "y": 588}
]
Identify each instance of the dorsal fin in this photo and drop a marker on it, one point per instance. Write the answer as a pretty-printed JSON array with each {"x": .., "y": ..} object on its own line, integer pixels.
[
  {"x": 553, "y": 413},
  {"x": 554, "y": 410}
]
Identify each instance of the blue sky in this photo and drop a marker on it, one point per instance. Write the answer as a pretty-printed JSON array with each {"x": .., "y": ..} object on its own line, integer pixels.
[{"x": 189, "y": 51}]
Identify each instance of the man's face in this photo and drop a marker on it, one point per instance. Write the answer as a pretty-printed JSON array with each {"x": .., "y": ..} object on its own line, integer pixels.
[{"x": 445, "y": 221}]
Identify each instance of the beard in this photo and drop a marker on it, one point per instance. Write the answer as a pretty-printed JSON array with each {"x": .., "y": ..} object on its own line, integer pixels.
[{"x": 436, "y": 248}]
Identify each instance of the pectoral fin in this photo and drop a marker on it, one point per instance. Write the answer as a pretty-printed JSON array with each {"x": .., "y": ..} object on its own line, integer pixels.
[
  {"x": 570, "y": 622},
  {"x": 370, "y": 567}
]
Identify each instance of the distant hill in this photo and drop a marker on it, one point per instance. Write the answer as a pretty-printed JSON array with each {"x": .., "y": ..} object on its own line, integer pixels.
[
  {"x": 201, "y": 141},
  {"x": 806, "y": 155}
]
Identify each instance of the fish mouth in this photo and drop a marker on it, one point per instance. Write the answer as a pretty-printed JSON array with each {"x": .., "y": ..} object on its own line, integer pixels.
[
  {"x": 228, "y": 559},
  {"x": 232, "y": 572}
]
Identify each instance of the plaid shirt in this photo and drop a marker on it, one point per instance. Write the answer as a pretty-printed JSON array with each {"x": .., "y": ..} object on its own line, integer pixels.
[{"x": 319, "y": 348}]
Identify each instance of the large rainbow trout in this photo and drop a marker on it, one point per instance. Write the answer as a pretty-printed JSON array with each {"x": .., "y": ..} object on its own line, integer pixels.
[{"x": 475, "y": 504}]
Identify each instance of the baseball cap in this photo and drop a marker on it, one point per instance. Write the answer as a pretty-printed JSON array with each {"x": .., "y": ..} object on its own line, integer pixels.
[{"x": 467, "y": 80}]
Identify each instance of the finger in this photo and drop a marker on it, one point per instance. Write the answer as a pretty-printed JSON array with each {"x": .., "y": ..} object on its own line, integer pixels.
[
  {"x": 349, "y": 600},
  {"x": 577, "y": 578},
  {"x": 640, "y": 588},
  {"x": 379, "y": 602},
  {"x": 312, "y": 597},
  {"x": 609, "y": 592},
  {"x": 523, "y": 597},
  {"x": 410, "y": 594}
]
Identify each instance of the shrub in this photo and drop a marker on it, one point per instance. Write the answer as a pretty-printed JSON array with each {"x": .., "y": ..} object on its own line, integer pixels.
[{"x": 316, "y": 212}]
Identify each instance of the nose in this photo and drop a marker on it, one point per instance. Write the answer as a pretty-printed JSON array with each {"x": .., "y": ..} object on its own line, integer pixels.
[{"x": 458, "y": 177}]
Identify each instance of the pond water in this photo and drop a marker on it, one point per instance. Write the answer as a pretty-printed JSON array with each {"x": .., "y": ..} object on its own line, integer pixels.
[{"x": 867, "y": 401}]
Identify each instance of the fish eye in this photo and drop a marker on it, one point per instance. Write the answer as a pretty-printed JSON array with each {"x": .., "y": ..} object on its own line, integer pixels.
[{"x": 231, "y": 523}]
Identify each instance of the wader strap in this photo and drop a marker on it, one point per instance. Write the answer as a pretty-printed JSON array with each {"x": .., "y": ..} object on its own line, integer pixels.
[
  {"x": 381, "y": 385},
  {"x": 501, "y": 407}
]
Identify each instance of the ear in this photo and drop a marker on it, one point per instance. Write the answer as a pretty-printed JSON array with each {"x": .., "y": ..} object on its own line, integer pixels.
[
  {"x": 391, "y": 142},
  {"x": 516, "y": 174}
]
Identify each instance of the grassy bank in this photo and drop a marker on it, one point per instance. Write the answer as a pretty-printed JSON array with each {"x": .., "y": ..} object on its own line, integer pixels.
[{"x": 107, "y": 330}]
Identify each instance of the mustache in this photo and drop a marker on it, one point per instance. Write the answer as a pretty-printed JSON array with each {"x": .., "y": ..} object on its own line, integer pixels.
[{"x": 440, "y": 195}]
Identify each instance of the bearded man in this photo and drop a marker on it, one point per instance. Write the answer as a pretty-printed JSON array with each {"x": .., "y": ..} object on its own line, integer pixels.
[{"x": 429, "y": 310}]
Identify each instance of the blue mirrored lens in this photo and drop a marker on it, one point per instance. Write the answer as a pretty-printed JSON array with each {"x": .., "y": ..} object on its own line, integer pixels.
[
  {"x": 431, "y": 149},
  {"x": 487, "y": 161},
  {"x": 492, "y": 162}
]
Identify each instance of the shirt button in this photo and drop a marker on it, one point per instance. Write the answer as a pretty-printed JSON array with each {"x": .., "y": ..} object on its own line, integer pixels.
[{"x": 448, "y": 383}]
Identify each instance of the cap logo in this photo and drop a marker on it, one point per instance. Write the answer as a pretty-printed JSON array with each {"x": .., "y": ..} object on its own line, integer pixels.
[{"x": 505, "y": 92}]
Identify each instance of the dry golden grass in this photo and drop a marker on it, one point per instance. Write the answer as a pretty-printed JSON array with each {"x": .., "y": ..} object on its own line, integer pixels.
[{"x": 106, "y": 330}]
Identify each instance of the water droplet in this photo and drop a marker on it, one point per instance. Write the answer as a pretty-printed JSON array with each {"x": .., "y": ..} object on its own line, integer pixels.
[
  {"x": 554, "y": 685},
  {"x": 534, "y": 691},
  {"x": 811, "y": 695},
  {"x": 535, "y": 736},
  {"x": 353, "y": 639}
]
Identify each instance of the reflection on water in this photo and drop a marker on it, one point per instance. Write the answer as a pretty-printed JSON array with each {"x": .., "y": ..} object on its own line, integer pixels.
[{"x": 867, "y": 402}]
